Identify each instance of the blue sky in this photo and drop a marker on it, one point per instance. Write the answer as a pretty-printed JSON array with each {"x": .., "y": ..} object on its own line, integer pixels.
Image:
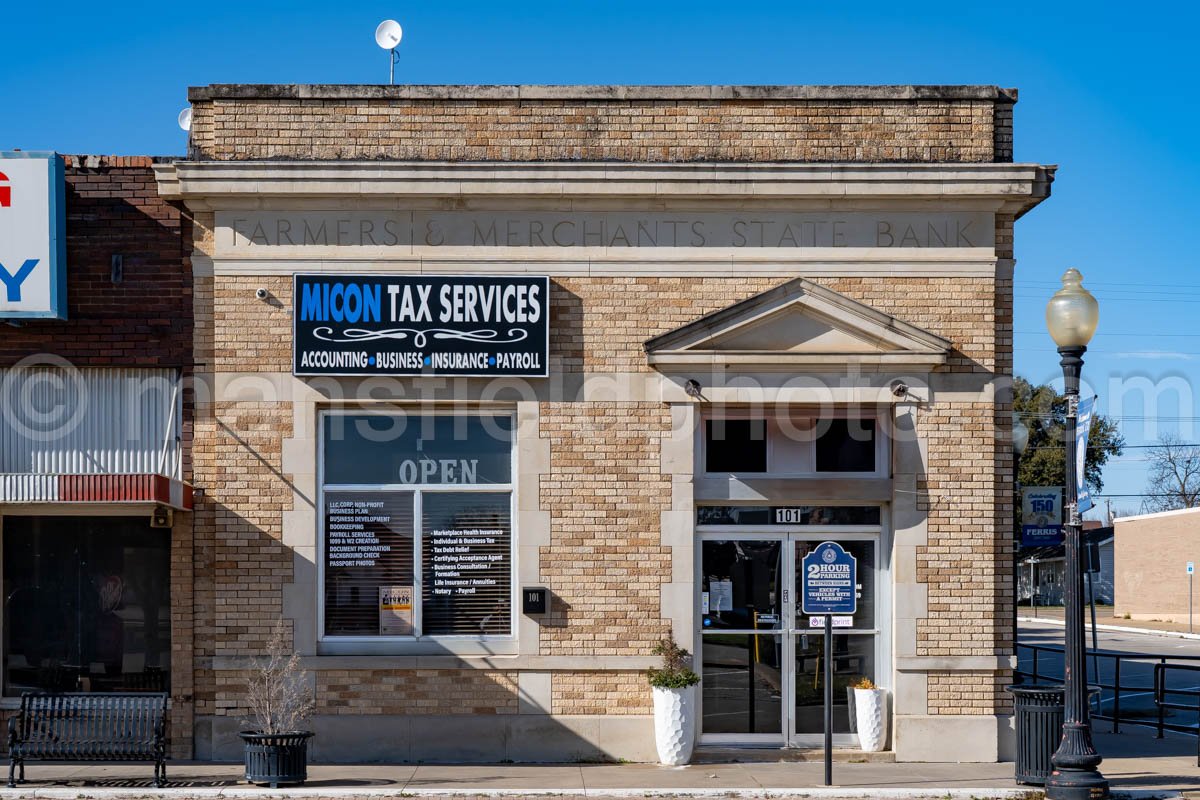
[{"x": 1105, "y": 94}]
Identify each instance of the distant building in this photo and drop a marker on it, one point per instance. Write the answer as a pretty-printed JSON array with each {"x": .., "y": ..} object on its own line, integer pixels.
[
  {"x": 1040, "y": 570},
  {"x": 1153, "y": 552}
]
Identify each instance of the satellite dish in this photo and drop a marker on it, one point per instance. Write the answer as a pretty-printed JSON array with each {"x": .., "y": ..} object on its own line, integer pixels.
[
  {"x": 185, "y": 119},
  {"x": 388, "y": 34}
]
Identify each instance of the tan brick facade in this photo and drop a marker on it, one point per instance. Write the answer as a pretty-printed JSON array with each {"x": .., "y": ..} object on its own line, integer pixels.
[
  {"x": 967, "y": 692},
  {"x": 605, "y": 494},
  {"x": 959, "y": 565},
  {"x": 639, "y": 126},
  {"x": 604, "y": 490},
  {"x": 416, "y": 692},
  {"x": 601, "y": 324},
  {"x": 600, "y": 693},
  {"x": 236, "y": 450}
]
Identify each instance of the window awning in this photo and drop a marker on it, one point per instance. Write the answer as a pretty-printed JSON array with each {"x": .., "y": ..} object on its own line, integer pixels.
[{"x": 142, "y": 489}]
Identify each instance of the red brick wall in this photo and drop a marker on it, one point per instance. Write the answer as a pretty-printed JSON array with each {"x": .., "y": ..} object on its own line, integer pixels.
[{"x": 113, "y": 207}]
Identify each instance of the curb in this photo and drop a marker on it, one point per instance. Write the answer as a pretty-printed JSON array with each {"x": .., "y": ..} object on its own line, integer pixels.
[
  {"x": 1114, "y": 628},
  {"x": 830, "y": 793}
]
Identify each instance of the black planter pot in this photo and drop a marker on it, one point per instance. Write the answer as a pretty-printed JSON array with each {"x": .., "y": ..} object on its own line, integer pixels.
[{"x": 276, "y": 758}]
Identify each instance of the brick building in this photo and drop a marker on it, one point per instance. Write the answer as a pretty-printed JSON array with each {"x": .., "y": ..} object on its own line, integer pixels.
[
  {"x": 641, "y": 347},
  {"x": 94, "y": 436},
  {"x": 1153, "y": 565}
]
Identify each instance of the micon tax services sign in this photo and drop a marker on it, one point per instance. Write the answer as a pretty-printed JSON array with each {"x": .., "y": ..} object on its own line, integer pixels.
[
  {"x": 33, "y": 247},
  {"x": 421, "y": 325}
]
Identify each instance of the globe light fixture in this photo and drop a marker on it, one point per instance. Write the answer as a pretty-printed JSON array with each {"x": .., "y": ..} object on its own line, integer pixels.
[
  {"x": 1072, "y": 315},
  {"x": 1020, "y": 434}
]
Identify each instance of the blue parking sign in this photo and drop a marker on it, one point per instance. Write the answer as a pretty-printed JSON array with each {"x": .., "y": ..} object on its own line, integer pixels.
[{"x": 830, "y": 581}]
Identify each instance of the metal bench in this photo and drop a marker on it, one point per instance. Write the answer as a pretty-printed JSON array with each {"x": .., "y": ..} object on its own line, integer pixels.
[{"x": 81, "y": 726}]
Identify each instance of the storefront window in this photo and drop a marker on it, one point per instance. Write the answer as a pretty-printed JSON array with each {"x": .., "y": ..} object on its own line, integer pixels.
[
  {"x": 417, "y": 518},
  {"x": 368, "y": 549},
  {"x": 466, "y": 542},
  {"x": 87, "y": 605}
]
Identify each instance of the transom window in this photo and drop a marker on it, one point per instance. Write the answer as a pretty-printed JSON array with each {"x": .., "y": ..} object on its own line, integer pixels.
[{"x": 748, "y": 443}]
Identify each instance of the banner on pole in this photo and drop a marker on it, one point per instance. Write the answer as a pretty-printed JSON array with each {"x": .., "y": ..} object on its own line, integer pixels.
[
  {"x": 1083, "y": 426},
  {"x": 1041, "y": 516}
]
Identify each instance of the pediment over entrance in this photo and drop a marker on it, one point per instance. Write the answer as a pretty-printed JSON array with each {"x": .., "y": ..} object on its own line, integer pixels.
[{"x": 799, "y": 326}]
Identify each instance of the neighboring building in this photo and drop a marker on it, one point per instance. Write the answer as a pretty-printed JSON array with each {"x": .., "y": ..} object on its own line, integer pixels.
[
  {"x": 739, "y": 281},
  {"x": 96, "y": 431},
  {"x": 1044, "y": 569},
  {"x": 1152, "y": 554}
]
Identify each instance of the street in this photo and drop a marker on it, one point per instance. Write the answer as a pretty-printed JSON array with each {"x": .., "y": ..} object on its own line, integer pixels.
[{"x": 1136, "y": 674}]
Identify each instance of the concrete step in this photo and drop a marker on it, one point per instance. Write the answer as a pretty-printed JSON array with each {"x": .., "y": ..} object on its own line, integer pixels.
[{"x": 713, "y": 754}]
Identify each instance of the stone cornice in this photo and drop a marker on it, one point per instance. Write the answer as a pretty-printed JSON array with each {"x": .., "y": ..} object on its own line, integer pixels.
[
  {"x": 1013, "y": 188},
  {"x": 297, "y": 91},
  {"x": 954, "y": 663}
]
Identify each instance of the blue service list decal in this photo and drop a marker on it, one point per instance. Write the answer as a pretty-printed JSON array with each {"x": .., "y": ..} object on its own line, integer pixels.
[{"x": 420, "y": 325}]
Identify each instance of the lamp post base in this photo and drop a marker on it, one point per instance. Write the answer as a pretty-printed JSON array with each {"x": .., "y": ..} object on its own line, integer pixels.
[{"x": 1076, "y": 784}]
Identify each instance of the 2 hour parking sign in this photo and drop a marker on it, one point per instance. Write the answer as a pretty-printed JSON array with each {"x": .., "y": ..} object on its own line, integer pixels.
[{"x": 829, "y": 581}]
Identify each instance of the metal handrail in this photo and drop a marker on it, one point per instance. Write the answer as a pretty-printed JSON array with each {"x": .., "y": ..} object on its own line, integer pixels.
[
  {"x": 1118, "y": 689},
  {"x": 1161, "y": 690}
]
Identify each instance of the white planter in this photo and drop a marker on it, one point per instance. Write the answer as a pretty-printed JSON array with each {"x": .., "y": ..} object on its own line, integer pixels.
[
  {"x": 870, "y": 711},
  {"x": 674, "y": 724}
]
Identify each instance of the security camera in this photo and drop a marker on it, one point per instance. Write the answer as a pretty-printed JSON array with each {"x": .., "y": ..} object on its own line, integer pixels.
[
  {"x": 899, "y": 389},
  {"x": 261, "y": 294}
]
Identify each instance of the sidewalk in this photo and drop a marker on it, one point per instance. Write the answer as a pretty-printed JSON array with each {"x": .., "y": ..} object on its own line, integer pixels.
[
  {"x": 1105, "y": 621},
  {"x": 1136, "y": 764}
]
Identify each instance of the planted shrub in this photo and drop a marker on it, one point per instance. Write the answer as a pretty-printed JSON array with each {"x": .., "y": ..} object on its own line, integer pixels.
[
  {"x": 278, "y": 692},
  {"x": 676, "y": 671}
]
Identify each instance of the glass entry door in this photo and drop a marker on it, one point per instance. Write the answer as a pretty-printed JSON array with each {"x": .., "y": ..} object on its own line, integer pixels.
[
  {"x": 742, "y": 656},
  {"x": 854, "y": 650},
  {"x": 761, "y": 663}
]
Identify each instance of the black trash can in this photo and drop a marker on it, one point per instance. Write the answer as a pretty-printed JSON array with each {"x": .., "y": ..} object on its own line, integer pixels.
[{"x": 1039, "y": 713}]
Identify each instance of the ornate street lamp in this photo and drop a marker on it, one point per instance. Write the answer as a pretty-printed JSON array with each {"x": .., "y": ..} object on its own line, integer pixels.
[{"x": 1071, "y": 316}]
